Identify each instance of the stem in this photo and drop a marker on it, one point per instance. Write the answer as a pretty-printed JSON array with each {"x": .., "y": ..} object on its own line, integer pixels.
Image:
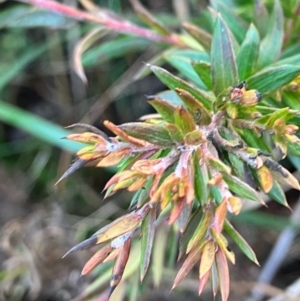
[{"x": 113, "y": 24}]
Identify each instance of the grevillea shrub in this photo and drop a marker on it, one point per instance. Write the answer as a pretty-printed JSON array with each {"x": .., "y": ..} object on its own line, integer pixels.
[{"x": 216, "y": 139}]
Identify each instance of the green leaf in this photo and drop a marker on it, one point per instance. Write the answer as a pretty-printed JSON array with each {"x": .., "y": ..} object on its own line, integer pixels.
[
  {"x": 277, "y": 194},
  {"x": 291, "y": 99},
  {"x": 273, "y": 78},
  {"x": 158, "y": 255},
  {"x": 38, "y": 127},
  {"x": 201, "y": 180},
  {"x": 291, "y": 60},
  {"x": 223, "y": 65},
  {"x": 148, "y": 18},
  {"x": 270, "y": 47},
  {"x": 239, "y": 240},
  {"x": 200, "y": 115},
  {"x": 163, "y": 107},
  {"x": 203, "y": 70},
  {"x": 173, "y": 82},
  {"x": 294, "y": 149},
  {"x": 149, "y": 132},
  {"x": 247, "y": 56},
  {"x": 148, "y": 231},
  {"x": 261, "y": 17},
  {"x": 184, "y": 120},
  {"x": 236, "y": 25},
  {"x": 183, "y": 65},
  {"x": 241, "y": 188}
]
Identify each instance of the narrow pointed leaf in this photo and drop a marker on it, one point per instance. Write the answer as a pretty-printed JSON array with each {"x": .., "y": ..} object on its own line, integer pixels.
[
  {"x": 270, "y": 47},
  {"x": 203, "y": 281},
  {"x": 175, "y": 133},
  {"x": 148, "y": 231},
  {"x": 219, "y": 217},
  {"x": 96, "y": 259},
  {"x": 163, "y": 107},
  {"x": 83, "y": 245},
  {"x": 184, "y": 120},
  {"x": 200, "y": 114},
  {"x": 203, "y": 70},
  {"x": 247, "y": 56},
  {"x": 207, "y": 258},
  {"x": 241, "y": 188},
  {"x": 278, "y": 195},
  {"x": 240, "y": 241},
  {"x": 201, "y": 180},
  {"x": 236, "y": 25},
  {"x": 184, "y": 66},
  {"x": 273, "y": 78},
  {"x": 223, "y": 65},
  {"x": 77, "y": 164},
  {"x": 121, "y": 225},
  {"x": 223, "y": 273},
  {"x": 120, "y": 265},
  {"x": 188, "y": 264},
  {"x": 184, "y": 216},
  {"x": 149, "y": 132},
  {"x": 215, "y": 283},
  {"x": 173, "y": 82},
  {"x": 285, "y": 177}
]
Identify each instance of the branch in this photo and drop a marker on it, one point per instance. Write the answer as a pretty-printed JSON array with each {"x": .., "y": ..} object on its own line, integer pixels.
[{"x": 115, "y": 25}]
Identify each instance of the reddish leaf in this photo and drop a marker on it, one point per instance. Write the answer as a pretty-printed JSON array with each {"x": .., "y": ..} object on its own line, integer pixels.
[
  {"x": 113, "y": 158},
  {"x": 96, "y": 259},
  {"x": 120, "y": 265},
  {"x": 219, "y": 217},
  {"x": 88, "y": 138},
  {"x": 184, "y": 217},
  {"x": 188, "y": 264},
  {"x": 122, "y": 225},
  {"x": 119, "y": 132},
  {"x": 223, "y": 273},
  {"x": 113, "y": 255},
  {"x": 203, "y": 281},
  {"x": 177, "y": 209}
]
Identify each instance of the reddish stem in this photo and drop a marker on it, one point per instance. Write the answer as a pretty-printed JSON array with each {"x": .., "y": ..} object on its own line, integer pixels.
[{"x": 116, "y": 25}]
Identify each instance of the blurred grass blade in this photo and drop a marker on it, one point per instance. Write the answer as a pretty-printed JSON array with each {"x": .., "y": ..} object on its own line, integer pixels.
[
  {"x": 37, "y": 126},
  {"x": 148, "y": 18},
  {"x": 247, "y": 56},
  {"x": 82, "y": 46},
  {"x": 273, "y": 77},
  {"x": 223, "y": 65},
  {"x": 270, "y": 46}
]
